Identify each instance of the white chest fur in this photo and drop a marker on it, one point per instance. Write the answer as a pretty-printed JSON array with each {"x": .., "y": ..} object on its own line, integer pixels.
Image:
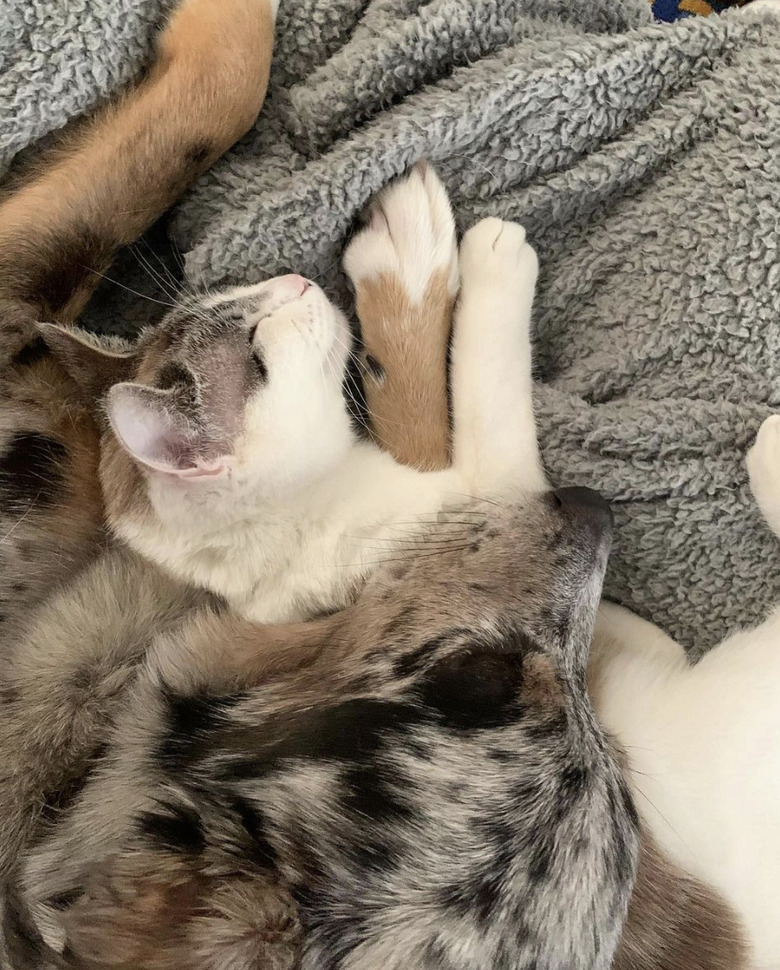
[{"x": 283, "y": 559}]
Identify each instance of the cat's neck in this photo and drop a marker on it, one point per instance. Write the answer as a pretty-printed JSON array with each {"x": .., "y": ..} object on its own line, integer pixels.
[{"x": 286, "y": 556}]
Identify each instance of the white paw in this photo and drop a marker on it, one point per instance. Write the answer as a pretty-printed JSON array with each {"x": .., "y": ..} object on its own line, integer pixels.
[
  {"x": 763, "y": 463},
  {"x": 497, "y": 253},
  {"x": 410, "y": 233},
  {"x": 773, "y": 6}
]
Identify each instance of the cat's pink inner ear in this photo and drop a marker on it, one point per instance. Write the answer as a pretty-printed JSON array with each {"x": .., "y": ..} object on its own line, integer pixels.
[{"x": 149, "y": 426}]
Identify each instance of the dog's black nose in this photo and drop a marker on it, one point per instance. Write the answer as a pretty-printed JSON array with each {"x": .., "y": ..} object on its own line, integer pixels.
[{"x": 584, "y": 502}]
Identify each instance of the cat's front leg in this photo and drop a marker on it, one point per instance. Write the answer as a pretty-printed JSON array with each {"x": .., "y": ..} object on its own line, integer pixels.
[
  {"x": 763, "y": 465},
  {"x": 495, "y": 446},
  {"x": 404, "y": 268}
]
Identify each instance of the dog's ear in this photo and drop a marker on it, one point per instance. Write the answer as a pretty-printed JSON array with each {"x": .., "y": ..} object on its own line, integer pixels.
[{"x": 95, "y": 367}]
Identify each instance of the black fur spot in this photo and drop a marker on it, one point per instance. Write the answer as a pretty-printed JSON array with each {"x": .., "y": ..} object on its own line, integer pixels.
[
  {"x": 371, "y": 797},
  {"x": 541, "y": 860},
  {"x": 504, "y": 756},
  {"x": 350, "y": 732},
  {"x": 31, "y": 353},
  {"x": 254, "y": 823},
  {"x": 399, "y": 622},
  {"x": 561, "y": 624},
  {"x": 621, "y": 809},
  {"x": 177, "y": 828},
  {"x": 63, "y": 901},
  {"x": 174, "y": 375},
  {"x": 31, "y": 470},
  {"x": 572, "y": 782},
  {"x": 480, "y": 894},
  {"x": 413, "y": 662},
  {"x": 475, "y": 688},
  {"x": 8, "y": 693},
  {"x": 191, "y": 721},
  {"x": 488, "y": 897},
  {"x": 542, "y": 730},
  {"x": 199, "y": 152}
]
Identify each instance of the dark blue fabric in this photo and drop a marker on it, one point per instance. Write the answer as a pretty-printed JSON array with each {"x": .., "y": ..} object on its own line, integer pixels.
[{"x": 669, "y": 10}]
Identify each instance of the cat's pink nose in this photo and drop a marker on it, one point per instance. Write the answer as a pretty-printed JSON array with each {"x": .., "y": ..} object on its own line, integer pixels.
[{"x": 295, "y": 282}]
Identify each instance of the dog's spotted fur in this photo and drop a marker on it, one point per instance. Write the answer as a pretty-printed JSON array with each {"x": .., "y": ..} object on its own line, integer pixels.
[{"x": 421, "y": 775}]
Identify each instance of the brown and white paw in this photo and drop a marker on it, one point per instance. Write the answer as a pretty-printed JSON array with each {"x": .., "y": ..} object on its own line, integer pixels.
[
  {"x": 495, "y": 254},
  {"x": 409, "y": 237}
]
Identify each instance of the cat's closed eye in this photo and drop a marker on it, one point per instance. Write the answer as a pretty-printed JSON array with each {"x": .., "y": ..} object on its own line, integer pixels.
[
  {"x": 257, "y": 358},
  {"x": 260, "y": 366}
]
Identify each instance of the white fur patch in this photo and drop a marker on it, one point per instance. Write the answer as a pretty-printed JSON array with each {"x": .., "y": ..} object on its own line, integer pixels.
[
  {"x": 763, "y": 465},
  {"x": 411, "y": 233},
  {"x": 772, "y": 5}
]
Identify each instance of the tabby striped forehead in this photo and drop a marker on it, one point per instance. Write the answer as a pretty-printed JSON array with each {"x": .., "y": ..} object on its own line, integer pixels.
[{"x": 201, "y": 322}]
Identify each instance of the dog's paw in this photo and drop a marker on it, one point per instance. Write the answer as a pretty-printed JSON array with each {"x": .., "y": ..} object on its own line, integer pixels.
[
  {"x": 763, "y": 466},
  {"x": 409, "y": 237},
  {"x": 495, "y": 253}
]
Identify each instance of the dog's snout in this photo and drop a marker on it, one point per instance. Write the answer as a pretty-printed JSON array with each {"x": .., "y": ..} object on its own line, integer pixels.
[{"x": 584, "y": 502}]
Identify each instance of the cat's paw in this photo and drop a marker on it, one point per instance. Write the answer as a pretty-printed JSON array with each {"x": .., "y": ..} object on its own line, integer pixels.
[
  {"x": 763, "y": 466},
  {"x": 496, "y": 254},
  {"x": 409, "y": 240}
]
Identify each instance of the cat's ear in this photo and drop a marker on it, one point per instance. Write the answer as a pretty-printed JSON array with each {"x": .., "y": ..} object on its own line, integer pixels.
[
  {"x": 93, "y": 367},
  {"x": 153, "y": 429}
]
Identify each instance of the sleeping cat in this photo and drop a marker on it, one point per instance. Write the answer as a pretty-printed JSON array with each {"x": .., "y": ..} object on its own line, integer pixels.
[{"x": 229, "y": 456}]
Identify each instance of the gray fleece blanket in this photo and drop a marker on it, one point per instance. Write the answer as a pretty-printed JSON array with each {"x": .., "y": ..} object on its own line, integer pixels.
[{"x": 644, "y": 161}]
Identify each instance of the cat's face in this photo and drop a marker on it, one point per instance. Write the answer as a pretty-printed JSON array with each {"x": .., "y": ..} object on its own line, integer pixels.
[{"x": 241, "y": 389}]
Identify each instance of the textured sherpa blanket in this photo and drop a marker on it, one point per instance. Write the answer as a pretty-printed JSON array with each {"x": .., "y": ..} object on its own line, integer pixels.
[{"x": 644, "y": 160}]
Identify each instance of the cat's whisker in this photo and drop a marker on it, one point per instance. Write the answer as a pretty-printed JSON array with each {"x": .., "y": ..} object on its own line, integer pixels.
[
  {"x": 164, "y": 268},
  {"x": 397, "y": 559},
  {"x": 16, "y": 525},
  {"x": 658, "y": 812},
  {"x": 409, "y": 544},
  {"x": 172, "y": 292},
  {"x": 129, "y": 289}
]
